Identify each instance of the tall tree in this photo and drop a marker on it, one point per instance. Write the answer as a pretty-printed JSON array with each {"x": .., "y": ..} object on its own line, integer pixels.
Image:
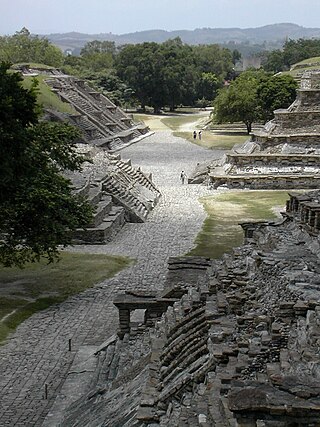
[
  {"x": 24, "y": 47},
  {"x": 276, "y": 92},
  {"x": 239, "y": 102},
  {"x": 38, "y": 211},
  {"x": 253, "y": 96}
]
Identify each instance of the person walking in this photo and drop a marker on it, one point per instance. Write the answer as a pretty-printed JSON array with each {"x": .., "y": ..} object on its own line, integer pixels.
[
  {"x": 200, "y": 134},
  {"x": 183, "y": 177},
  {"x": 194, "y": 134}
]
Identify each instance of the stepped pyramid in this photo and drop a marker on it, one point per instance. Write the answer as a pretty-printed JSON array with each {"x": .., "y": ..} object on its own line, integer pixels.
[
  {"x": 101, "y": 122},
  {"x": 284, "y": 154}
]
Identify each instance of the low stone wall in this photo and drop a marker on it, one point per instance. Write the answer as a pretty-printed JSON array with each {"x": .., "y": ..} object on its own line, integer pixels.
[{"x": 265, "y": 181}]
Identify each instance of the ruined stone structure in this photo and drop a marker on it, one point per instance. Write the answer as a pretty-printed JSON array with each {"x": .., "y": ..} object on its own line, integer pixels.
[
  {"x": 284, "y": 154},
  {"x": 240, "y": 347},
  {"x": 101, "y": 122},
  {"x": 118, "y": 192}
]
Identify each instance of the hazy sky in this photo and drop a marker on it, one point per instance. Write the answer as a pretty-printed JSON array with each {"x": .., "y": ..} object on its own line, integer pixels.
[{"x": 123, "y": 16}]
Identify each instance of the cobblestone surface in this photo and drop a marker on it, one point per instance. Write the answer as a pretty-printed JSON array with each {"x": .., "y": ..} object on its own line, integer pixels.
[{"x": 36, "y": 360}]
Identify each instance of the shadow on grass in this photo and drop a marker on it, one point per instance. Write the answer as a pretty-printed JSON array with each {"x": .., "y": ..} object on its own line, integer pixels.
[{"x": 38, "y": 286}]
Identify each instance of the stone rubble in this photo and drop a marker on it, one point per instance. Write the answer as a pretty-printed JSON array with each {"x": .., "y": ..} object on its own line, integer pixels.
[{"x": 241, "y": 348}]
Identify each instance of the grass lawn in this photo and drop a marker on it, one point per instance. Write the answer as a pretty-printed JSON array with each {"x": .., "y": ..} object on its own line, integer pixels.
[
  {"x": 220, "y": 231},
  {"x": 176, "y": 122},
  {"x": 222, "y": 140},
  {"x": 183, "y": 127},
  {"x": 23, "y": 292},
  {"x": 46, "y": 97}
]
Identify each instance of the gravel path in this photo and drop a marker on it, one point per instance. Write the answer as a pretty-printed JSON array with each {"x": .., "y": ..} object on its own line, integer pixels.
[{"x": 38, "y": 354}]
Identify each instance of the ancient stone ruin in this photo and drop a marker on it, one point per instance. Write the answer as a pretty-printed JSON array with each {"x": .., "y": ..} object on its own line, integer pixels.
[
  {"x": 284, "y": 154},
  {"x": 101, "y": 122},
  {"x": 118, "y": 192},
  {"x": 230, "y": 342}
]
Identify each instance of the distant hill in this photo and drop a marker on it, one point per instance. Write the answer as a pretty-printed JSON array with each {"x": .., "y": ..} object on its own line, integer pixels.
[{"x": 270, "y": 36}]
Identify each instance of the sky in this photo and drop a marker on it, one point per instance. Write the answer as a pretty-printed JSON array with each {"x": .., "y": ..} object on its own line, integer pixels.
[{"x": 126, "y": 16}]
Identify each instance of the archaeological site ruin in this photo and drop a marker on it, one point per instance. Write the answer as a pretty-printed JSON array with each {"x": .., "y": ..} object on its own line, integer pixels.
[
  {"x": 118, "y": 192},
  {"x": 229, "y": 342},
  {"x": 284, "y": 154}
]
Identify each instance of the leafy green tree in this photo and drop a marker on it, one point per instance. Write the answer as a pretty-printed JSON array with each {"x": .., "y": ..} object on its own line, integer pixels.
[
  {"x": 38, "y": 210},
  {"x": 23, "y": 47},
  {"x": 276, "y": 92},
  {"x": 293, "y": 51},
  {"x": 274, "y": 61},
  {"x": 98, "y": 55},
  {"x": 213, "y": 59},
  {"x": 252, "y": 97},
  {"x": 207, "y": 86},
  {"x": 140, "y": 66},
  {"x": 239, "y": 101}
]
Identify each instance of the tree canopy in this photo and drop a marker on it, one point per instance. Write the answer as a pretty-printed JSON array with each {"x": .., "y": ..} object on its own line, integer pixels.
[
  {"x": 38, "y": 210},
  {"x": 173, "y": 73},
  {"x": 293, "y": 51},
  {"x": 253, "y": 96},
  {"x": 23, "y": 47}
]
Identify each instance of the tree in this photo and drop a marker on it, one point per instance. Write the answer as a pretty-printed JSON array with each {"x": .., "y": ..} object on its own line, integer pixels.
[
  {"x": 98, "y": 55},
  {"x": 253, "y": 96},
  {"x": 239, "y": 101},
  {"x": 276, "y": 92},
  {"x": 293, "y": 51},
  {"x": 38, "y": 211},
  {"x": 23, "y": 47}
]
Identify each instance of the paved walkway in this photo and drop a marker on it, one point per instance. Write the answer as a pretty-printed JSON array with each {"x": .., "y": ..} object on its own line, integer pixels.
[{"x": 36, "y": 360}]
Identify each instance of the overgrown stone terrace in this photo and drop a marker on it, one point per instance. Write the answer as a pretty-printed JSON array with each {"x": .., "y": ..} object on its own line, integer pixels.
[
  {"x": 239, "y": 348},
  {"x": 284, "y": 154},
  {"x": 102, "y": 122},
  {"x": 118, "y": 192}
]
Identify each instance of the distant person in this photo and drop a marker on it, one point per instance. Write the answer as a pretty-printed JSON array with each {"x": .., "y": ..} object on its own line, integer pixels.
[
  {"x": 183, "y": 177},
  {"x": 194, "y": 134},
  {"x": 200, "y": 134}
]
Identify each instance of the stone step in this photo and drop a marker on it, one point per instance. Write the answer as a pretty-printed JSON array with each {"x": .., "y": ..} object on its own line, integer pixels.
[
  {"x": 103, "y": 208},
  {"x": 104, "y": 232}
]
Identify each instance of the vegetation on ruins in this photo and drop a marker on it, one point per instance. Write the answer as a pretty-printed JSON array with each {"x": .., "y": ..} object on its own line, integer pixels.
[
  {"x": 292, "y": 52},
  {"x": 37, "y": 208},
  {"x": 252, "y": 97}
]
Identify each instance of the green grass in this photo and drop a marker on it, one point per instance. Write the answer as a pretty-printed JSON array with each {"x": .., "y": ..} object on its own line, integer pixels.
[
  {"x": 40, "y": 285},
  {"x": 46, "y": 97},
  {"x": 215, "y": 140},
  {"x": 176, "y": 122},
  {"x": 220, "y": 231},
  {"x": 34, "y": 65}
]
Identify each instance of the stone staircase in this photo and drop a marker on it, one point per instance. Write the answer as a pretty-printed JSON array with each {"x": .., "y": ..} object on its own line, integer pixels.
[
  {"x": 118, "y": 192},
  {"x": 283, "y": 154},
  {"x": 107, "y": 219},
  {"x": 102, "y": 122}
]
